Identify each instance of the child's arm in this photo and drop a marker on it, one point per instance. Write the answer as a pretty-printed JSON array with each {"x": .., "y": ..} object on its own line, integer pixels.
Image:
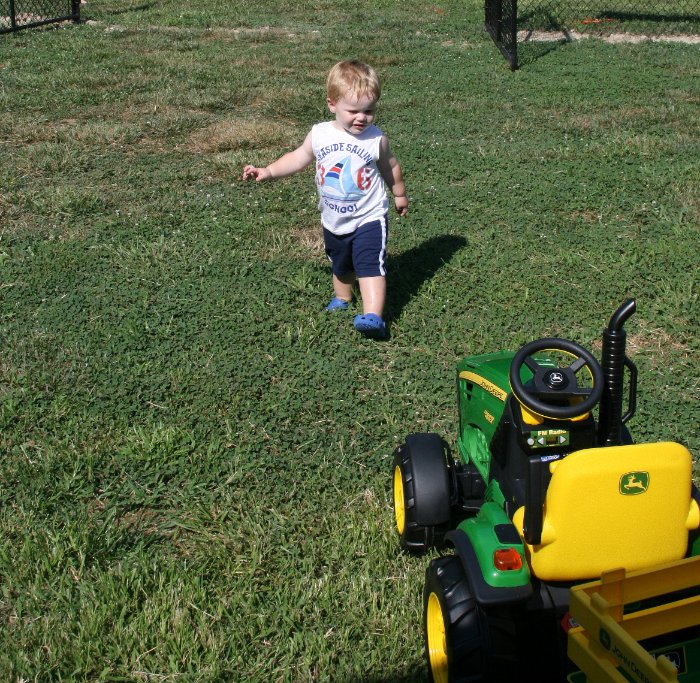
[
  {"x": 288, "y": 164},
  {"x": 391, "y": 173}
]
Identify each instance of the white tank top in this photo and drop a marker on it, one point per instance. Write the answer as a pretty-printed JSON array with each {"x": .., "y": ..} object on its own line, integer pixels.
[{"x": 350, "y": 188}]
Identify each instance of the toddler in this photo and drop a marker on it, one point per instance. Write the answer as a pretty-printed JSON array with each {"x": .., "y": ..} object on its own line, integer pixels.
[{"x": 353, "y": 165}]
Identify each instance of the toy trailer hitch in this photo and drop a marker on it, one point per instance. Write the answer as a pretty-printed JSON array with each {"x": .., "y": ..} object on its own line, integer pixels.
[{"x": 614, "y": 361}]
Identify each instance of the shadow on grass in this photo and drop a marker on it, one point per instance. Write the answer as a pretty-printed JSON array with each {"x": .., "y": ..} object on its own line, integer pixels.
[
  {"x": 531, "y": 51},
  {"x": 641, "y": 16},
  {"x": 126, "y": 10},
  {"x": 408, "y": 271},
  {"x": 539, "y": 19}
]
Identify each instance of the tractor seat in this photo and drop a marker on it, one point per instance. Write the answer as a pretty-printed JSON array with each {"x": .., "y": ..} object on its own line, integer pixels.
[{"x": 606, "y": 508}]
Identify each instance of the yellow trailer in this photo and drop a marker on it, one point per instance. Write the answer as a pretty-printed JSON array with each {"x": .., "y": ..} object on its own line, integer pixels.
[{"x": 618, "y": 617}]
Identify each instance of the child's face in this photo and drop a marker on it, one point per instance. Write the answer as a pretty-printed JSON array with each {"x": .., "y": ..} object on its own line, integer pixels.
[{"x": 353, "y": 114}]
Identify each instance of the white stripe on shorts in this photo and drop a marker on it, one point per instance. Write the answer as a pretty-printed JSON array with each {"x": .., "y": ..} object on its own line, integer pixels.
[{"x": 382, "y": 253}]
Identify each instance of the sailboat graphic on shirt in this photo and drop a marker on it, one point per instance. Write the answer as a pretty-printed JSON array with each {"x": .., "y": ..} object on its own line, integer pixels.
[{"x": 340, "y": 181}]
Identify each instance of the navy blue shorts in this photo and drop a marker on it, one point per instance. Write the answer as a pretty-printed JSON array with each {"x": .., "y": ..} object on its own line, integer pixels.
[{"x": 362, "y": 252}]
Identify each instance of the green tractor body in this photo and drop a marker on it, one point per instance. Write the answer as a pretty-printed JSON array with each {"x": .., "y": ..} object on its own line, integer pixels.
[{"x": 538, "y": 497}]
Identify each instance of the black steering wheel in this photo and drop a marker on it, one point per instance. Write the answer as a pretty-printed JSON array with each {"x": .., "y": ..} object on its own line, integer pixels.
[{"x": 544, "y": 393}]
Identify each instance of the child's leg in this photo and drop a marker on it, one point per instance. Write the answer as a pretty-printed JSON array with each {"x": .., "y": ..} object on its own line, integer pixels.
[
  {"x": 339, "y": 253},
  {"x": 373, "y": 291},
  {"x": 342, "y": 285},
  {"x": 369, "y": 257}
]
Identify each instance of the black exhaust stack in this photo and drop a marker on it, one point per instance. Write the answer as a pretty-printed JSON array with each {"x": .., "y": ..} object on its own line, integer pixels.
[{"x": 614, "y": 361}]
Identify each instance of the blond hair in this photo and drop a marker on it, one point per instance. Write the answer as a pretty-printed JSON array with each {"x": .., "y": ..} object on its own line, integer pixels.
[{"x": 352, "y": 77}]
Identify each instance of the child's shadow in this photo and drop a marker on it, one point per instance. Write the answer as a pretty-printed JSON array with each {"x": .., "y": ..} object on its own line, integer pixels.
[{"x": 408, "y": 271}]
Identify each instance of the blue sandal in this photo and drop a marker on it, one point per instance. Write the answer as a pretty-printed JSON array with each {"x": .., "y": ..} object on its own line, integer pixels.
[
  {"x": 371, "y": 325},
  {"x": 337, "y": 304}
]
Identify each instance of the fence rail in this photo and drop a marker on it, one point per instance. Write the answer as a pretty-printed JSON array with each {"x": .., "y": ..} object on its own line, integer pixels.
[{"x": 19, "y": 14}]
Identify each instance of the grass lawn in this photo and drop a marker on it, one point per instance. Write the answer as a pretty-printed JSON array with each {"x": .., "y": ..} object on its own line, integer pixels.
[{"x": 194, "y": 458}]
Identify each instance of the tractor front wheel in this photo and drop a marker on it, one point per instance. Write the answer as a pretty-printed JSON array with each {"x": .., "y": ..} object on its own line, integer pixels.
[
  {"x": 421, "y": 487},
  {"x": 463, "y": 641}
]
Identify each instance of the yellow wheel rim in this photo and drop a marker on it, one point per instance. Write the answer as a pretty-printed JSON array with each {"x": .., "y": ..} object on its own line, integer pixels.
[
  {"x": 437, "y": 645},
  {"x": 399, "y": 509}
]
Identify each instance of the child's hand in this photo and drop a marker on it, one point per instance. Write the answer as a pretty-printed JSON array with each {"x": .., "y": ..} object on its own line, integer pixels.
[
  {"x": 401, "y": 204},
  {"x": 259, "y": 174}
]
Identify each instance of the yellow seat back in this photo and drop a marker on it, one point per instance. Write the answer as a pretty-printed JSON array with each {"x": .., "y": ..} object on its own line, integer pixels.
[{"x": 606, "y": 508}]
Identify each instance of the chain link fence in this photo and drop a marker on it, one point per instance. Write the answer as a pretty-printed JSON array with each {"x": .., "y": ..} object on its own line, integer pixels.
[
  {"x": 501, "y": 21},
  {"x": 18, "y": 14},
  {"x": 515, "y": 23},
  {"x": 650, "y": 18}
]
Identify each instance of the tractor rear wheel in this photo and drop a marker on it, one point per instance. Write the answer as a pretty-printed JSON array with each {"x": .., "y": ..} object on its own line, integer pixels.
[
  {"x": 421, "y": 489},
  {"x": 465, "y": 643}
]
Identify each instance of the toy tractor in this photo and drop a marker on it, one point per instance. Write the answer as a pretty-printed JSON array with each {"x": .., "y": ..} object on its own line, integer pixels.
[{"x": 540, "y": 497}]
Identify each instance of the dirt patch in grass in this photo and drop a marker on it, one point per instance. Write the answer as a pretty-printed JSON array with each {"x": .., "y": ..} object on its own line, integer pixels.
[
  {"x": 303, "y": 241},
  {"x": 657, "y": 344},
  {"x": 145, "y": 520},
  {"x": 587, "y": 216},
  {"x": 309, "y": 237},
  {"x": 652, "y": 341},
  {"x": 237, "y": 135},
  {"x": 566, "y": 36},
  {"x": 213, "y": 33}
]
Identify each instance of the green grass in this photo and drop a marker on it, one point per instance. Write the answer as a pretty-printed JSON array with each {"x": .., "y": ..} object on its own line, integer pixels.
[{"x": 195, "y": 459}]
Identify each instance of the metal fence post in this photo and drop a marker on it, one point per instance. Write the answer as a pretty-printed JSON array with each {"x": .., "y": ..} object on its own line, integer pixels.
[
  {"x": 498, "y": 16},
  {"x": 513, "y": 36},
  {"x": 501, "y": 21}
]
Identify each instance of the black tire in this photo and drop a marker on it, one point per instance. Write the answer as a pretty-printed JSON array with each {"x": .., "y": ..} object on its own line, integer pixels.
[
  {"x": 421, "y": 493},
  {"x": 465, "y": 643}
]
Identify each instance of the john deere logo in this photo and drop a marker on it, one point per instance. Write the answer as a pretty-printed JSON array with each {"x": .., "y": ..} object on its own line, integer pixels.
[
  {"x": 556, "y": 380},
  {"x": 634, "y": 483}
]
